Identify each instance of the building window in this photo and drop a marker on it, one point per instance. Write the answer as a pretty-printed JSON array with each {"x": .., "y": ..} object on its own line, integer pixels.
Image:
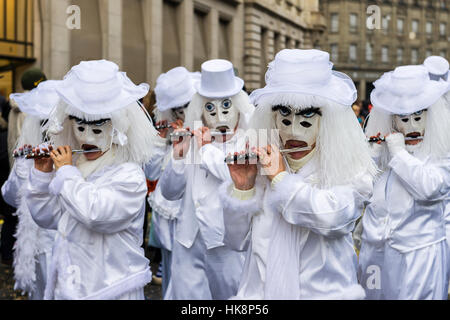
[
  {"x": 334, "y": 22},
  {"x": 443, "y": 53},
  {"x": 352, "y": 52},
  {"x": 334, "y": 52},
  {"x": 400, "y": 55},
  {"x": 429, "y": 27},
  {"x": 201, "y": 45},
  {"x": 414, "y": 56},
  {"x": 415, "y": 26},
  {"x": 400, "y": 26},
  {"x": 385, "y": 23},
  {"x": 429, "y": 53},
  {"x": 224, "y": 43},
  {"x": 353, "y": 22},
  {"x": 385, "y": 54},
  {"x": 369, "y": 51},
  {"x": 442, "y": 29}
]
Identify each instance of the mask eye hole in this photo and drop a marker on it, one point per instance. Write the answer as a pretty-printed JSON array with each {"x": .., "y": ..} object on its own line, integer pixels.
[
  {"x": 286, "y": 122},
  {"x": 306, "y": 124},
  {"x": 210, "y": 107},
  {"x": 285, "y": 111},
  {"x": 81, "y": 129},
  {"x": 405, "y": 120},
  {"x": 226, "y": 104},
  {"x": 97, "y": 131}
]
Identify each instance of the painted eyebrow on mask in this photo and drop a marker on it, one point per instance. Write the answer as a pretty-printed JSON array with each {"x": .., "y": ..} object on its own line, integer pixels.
[
  {"x": 95, "y": 123},
  {"x": 300, "y": 113}
]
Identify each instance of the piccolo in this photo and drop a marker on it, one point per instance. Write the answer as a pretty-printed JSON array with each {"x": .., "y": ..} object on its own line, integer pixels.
[
  {"x": 28, "y": 153},
  {"x": 179, "y": 134},
  {"x": 163, "y": 126},
  {"x": 251, "y": 156},
  {"x": 383, "y": 139}
]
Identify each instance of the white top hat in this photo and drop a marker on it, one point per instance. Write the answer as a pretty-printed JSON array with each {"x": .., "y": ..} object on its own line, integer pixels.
[
  {"x": 306, "y": 72},
  {"x": 175, "y": 88},
  {"x": 406, "y": 90},
  {"x": 438, "y": 68},
  {"x": 218, "y": 80},
  {"x": 98, "y": 87},
  {"x": 40, "y": 101}
]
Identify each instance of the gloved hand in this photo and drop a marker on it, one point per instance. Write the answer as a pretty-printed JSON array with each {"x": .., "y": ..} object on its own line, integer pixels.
[{"x": 395, "y": 143}]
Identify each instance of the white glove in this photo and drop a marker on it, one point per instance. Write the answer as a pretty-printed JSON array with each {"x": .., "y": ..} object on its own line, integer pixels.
[
  {"x": 376, "y": 150},
  {"x": 395, "y": 143}
]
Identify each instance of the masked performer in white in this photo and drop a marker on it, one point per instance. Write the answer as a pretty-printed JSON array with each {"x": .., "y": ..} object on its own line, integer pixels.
[
  {"x": 295, "y": 221},
  {"x": 96, "y": 201},
  {"x": 403, "y": 252},
  {"x": 174, "y": 91},
  {"x": 33, "y": 247},
  {"x": 202, "y": 266}
]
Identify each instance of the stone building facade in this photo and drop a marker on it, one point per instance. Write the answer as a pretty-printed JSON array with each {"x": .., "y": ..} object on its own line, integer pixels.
[
  {"x": 148, "y": 37},
  {"x": 369, "y": 37}
]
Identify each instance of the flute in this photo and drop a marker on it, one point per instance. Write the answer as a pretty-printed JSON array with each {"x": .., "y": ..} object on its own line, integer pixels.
[
  {"x": 28, "y": 153},
  {"x": 252, "y": 155},
  {"x": 383, "y": 139},
  {"x": 179, "y": 134}
]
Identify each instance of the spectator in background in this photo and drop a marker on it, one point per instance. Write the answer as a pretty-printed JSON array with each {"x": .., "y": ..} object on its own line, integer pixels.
[{"x": 357, "y": 108}]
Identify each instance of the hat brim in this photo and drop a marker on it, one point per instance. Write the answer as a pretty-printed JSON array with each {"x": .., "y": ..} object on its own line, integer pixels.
[
  {"x": 175, "y": 103},
  {"x": 407, "y": 104},
  {"x": 238, "y": 86},
  {"x": 29, "y": 103},
  {"x": 129, "y": 93},
  {"x": 340, "y": 89}
]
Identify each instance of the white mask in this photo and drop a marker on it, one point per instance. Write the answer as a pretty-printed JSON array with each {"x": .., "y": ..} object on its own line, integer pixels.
[
  {"x": 301, "y": 126},
  {"x": 412, "y": 125},
  {"x": 180, "y": 112},
  {"x": 221, "y": 115},
  {"x": 98, "y": 133}
]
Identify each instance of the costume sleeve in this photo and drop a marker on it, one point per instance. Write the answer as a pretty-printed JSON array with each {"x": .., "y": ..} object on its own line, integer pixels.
[
  {"x": 153, "y": 168},
  {"x": 425, "y": 181},
  {"x": 44, "y": 207},
  {"x": 173, "y": 180},
  {"x": 106, "y": 208},
  {"x": 238, "y": 211},
  {"x": 16, "y": 180},
  {"x": 213, "y": 160},
  {"x": 329, "y": 212}
]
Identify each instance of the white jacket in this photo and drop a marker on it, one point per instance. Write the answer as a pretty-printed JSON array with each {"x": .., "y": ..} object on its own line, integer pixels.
[
  {"x": 298, "y": 237},
  {"x": 97, "y": 253}
]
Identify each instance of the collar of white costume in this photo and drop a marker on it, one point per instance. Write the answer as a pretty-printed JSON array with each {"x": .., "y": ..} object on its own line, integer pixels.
[
  {"x": 296, "y": 165},
  {"x": 87, "y": 167}
]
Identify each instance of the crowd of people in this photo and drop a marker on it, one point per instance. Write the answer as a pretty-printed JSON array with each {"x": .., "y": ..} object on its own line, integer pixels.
[{"x": 280, "y": 194}]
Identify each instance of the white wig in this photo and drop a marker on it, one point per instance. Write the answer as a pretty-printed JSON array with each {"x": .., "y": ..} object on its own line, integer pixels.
[
  {"x": 436, "y": 142},
  {"x": 133, "y": 132},
  {"x": 241, "y": 101},
  {"x": 341, "y": 148},
  {"x": 32, "y": 132}
]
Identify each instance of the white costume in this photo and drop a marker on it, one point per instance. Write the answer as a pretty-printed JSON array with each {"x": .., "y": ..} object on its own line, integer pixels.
[
  {"x": 98, "y": 206},
  {"x": 202, "y": 266},
  {"x": 174, "y": 91},
  {"x": 438, "y": 68},
  {"x": 297, "y": 228},
  {"x": 33, "y": 247},
  {"x": 403, "y": 253}
]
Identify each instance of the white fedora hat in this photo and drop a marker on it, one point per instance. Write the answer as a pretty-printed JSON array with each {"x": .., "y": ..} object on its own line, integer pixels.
[
  {"x": 406, "y": 90},
  {"x": 218, "y": 80},
  {"x": 306, "y": 72},
  {"x": 438, "y": 68},
  {"x": 98, "y": 87},
  {"x": 40, "y": 101},
  {"x": 175, "y": 88}
]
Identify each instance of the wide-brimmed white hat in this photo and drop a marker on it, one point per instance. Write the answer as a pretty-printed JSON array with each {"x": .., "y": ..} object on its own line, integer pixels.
[
  {"x": 218, "y": 80},
  {"x": 175, "y": 88},
  {"x": 306, "y": 72},
  {"x": 438, "y": 68},
  {"x": 98, "y": 87},
  {"x": 40, "y": 101},
  {"x": 406, "y": 90}
]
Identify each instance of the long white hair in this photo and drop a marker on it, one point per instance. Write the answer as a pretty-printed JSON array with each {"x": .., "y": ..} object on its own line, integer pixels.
[
  {"x": 133, "y": 131},
  {"x": 341, "y": 148},
  {"x": 241, "y": 101},
  {"x": 32, "y": 132},
  {"x": 436, "y": 142}
]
